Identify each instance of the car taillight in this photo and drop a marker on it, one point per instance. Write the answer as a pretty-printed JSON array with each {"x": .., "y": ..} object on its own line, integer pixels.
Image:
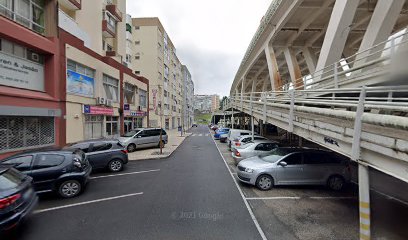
[
  {"x": 237, "y": 144},
  {"x": 124, "y": 151},
  {"x": 237, "y": 154},
  {"x": 5, "y": 202}
]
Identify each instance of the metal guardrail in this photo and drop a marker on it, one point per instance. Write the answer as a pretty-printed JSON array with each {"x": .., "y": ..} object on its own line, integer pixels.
[{"x": 374, "y": 61}]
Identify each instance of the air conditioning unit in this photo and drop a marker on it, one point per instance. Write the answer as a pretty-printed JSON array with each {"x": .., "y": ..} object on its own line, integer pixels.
[
  {"x": 109, "y": 103},
  {"x": 101, "y": 101},
  {"x": 35, "y": 57}
]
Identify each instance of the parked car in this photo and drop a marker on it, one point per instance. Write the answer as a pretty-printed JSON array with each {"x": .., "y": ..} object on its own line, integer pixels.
[
  {"x": 17, "y": 197},
  {"x": 224, "y": 137},
  {"x": 61, "y": 171},
  {"x": 234, "y": 135},
  {"x": 107, "y": 154},
  {"x": 257, "y": 147},
  {"x": 295, "y": 166},
  {"x": 244, "y": 140},
  {"x": 220, "y": 131},
  {"x": 214, "y": 127},
  {"x": 143, "y": 138},
  {"x": 195, "y": 125}
]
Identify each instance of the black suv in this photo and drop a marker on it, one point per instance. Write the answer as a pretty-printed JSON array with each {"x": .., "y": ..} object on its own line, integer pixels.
[
  {"x": 63, "y": 172},
  {"x": 103, "y": 154},
  {"x": 17, "y": 197}
]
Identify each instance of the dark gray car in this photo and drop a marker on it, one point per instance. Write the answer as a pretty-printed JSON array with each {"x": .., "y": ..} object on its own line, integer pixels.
[{"x": 103, "y": 154}]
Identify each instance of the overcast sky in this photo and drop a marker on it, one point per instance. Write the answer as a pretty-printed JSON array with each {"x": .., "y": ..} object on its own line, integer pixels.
[{"x": 211, "y": 36}]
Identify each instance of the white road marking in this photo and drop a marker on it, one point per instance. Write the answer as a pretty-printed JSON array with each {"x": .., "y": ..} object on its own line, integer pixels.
[
  {"x": 200, "y": 135},
  {"x": 87, "y": 202},
  {"x": 124, "y": 174},
  {"x": 251, "y": 213},
  {"x": 297, "y": 198},
  {"x": 386, "y": 195},
  {"x": 193, "y": 135},
  {"x": 207, "y": 135}
]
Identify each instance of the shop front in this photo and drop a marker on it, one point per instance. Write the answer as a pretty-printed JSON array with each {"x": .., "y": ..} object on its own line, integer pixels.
[
  {"x": 133, "y": 119},
  {"x": 100, "y": 122}
]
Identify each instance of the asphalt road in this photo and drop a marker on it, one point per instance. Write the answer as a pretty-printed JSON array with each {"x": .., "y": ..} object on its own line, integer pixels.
[{"x": 190, "y": 195}]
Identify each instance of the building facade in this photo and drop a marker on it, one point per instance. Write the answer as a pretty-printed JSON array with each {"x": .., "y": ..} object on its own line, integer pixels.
[
  {"x": 103, "y": 97},
  {"x": 154, "y": 57},
  {"x": 188, "y": 98},
  {"x": 206, "y": 103},
  {"x": 63, "y": 78},
  {"x": 31, "y": 114}
]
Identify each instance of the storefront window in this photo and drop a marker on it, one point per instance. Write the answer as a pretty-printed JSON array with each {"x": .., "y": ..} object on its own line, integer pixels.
[
  {"x": 24, "y": 132},
  {"x": 142, "y": 98},
  {"x": 112, "y": 126},
  {"x": 111, "y": 86},
  {"x": 93, "y": 126},
  {"x": 29, "y": 13},
  {"x": 130, "y": 91}
]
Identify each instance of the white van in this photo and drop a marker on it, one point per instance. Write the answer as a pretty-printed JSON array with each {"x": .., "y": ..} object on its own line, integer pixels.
[{"x": 235, "y": 134}]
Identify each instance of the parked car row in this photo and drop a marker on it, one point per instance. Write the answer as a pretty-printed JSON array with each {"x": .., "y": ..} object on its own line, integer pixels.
[
  {"x": 64, "y": 171},
  {"x": 265, "y": 163}
]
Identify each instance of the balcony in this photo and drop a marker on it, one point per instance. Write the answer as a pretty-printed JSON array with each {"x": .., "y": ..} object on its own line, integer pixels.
[
  {"x": 116, "y": 13},
  {"x": 111, "y": 53},
  {"x": 68, "y": 24},
  {"x": 72, "y": 5},
  {"x": 108, "y": 30}
]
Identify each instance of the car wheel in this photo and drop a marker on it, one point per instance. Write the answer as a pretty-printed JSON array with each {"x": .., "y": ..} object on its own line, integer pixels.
[
  {"x": 336, "y": 183},
  {"x": 115, "y": 165},
  {"x": 131, "y": 147},
  {"x": 264, "y": 182},
  {"x": 69, "y": 189}
]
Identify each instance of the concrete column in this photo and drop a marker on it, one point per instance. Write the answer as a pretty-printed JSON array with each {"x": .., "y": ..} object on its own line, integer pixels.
[
  {"x": 364, "y": 204},
  {"x": 252, "y": 113},
  {"x": 242, "y": 93},
  {"x": 382, "y": 22},
  {"x": 294, "y": 69},
  {"x": 274, "y": 75},
  {"x": 337, "y": 32},
  {"x": 311, "y": 59}
]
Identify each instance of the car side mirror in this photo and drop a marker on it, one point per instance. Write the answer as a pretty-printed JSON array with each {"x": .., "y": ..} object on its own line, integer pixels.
[{"x": 283, "y": 163}]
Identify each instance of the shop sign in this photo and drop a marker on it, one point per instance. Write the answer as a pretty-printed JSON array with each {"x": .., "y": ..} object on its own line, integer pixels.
[
  {"x": 136, "y": 113},
  {"x": 96, "y": 110},
  {"x": 80, "y": 84},
  {"x": 21, "y": 73},
  {"x": 126, "y": 107}
]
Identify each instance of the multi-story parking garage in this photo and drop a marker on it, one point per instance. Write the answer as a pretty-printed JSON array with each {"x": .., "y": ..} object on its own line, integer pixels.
[{"x": 329, "y": 72}]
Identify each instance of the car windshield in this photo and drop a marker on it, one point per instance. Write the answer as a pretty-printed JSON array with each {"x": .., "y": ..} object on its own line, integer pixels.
[
  {"x": 130, "y": 134},
  {"x": 274, "y": 155}
]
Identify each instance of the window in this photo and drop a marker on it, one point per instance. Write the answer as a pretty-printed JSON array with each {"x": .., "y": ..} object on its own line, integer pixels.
[
  {"x": 48, "y": 160},
  {"x": 130, "y": 91},
  {"x": 81, "y": 69},
  {"x": 97, "y": 147},
  {"x": 111, "y": 86},
  {"x": 20, "y": 51},
  {"x": 137, "y": 57},
  {"x": 111, "y": 21},
  {"x": 137, "y": 42},
  {"x": 143, "y": 98},
  {"x": 29, "y": 13},
  {"x": 137, "y": 72},
  {"x": 22, "y": 163},
  {"x": 112, "y": 126},
  {"x": 137, "y": 27},
  {"x": 294, "y": 159},
  {"x": 128, "y": 58},
  {"x": 10, "y": 179},
  {"x": 109, "y": 48},
  {"x": 93, "y": 126},
  {"x": 26, "y": 132}
]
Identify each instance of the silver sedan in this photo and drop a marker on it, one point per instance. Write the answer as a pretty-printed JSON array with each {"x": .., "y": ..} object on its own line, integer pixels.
[
  {"x": 295, "y": 166},
  {"x": 254, "y": 148}
]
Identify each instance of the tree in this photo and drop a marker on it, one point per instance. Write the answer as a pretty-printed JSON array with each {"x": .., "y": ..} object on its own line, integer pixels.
[{"x": 225, "y": 98}]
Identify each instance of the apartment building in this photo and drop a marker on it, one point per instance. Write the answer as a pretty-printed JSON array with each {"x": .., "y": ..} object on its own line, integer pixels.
[
  {"x": 154, "y": 57},
  {"x": 104, "y": 98},
  {"x": 31, "y": 114},
  {"x": 188, "y": 98},
  {"x": 206, "y": 103},
  {"x": 63, "y": 76}
]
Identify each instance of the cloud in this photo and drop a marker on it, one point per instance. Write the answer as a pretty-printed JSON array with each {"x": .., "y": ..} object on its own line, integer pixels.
[{"x": 210, "y": 36}]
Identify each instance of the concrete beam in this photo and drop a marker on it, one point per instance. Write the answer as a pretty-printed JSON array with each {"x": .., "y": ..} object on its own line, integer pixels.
[
  {"x": 337, "y": 32},
  {"x": 310, "y": 58},
  {"x": 382, "y": 22},
  {"x": 293, "y": 67},
  {"x": 274, "y": 76}
]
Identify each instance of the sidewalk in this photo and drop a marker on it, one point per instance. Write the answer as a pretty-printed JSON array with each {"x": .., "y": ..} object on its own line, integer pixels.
[{"x": 174, "y": 140}]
